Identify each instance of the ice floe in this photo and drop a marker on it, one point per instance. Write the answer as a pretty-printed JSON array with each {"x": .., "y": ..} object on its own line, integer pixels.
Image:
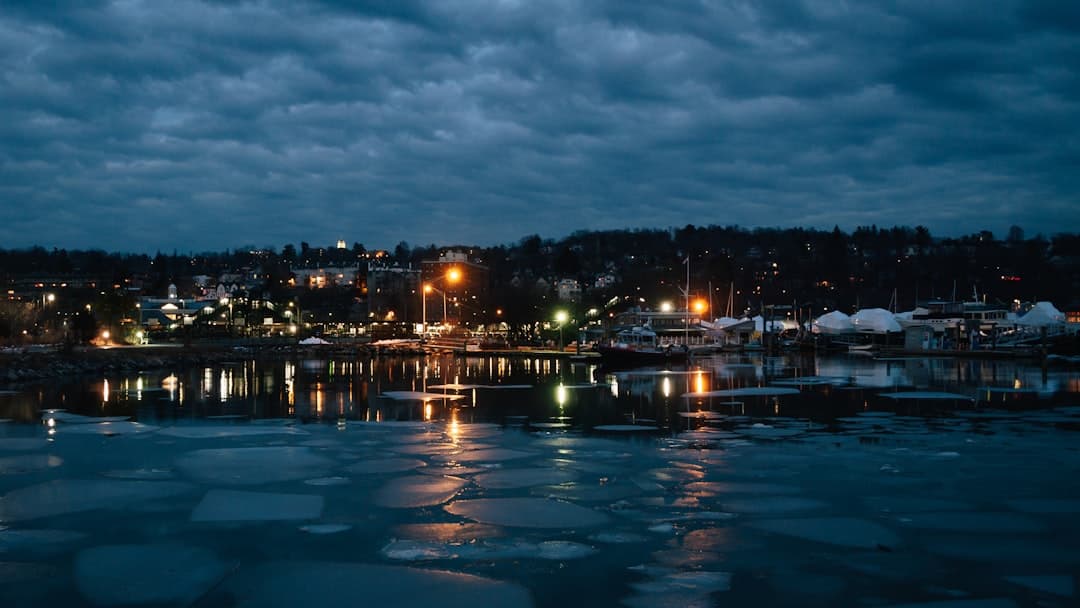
[
  {"x": 380, "y": 466},
  {"x": 234, "y": 430},
  {"x": 487, "y": 455},
  {"x": 841, "y": 531},
  {"x": 241, "y": 506},
  {"x": 344, "y": 585},
  {"x": 418, "y": 491},
  {"x": 123, "y": 575},
  {"x": 118, "y": 427},
  {"x": 413, "y": 550},
  {"x": 322, "y": 529},
  {"x": 1062, "y": 585},
  {"x": 527, "y": 513},
  {"x": 65, "y": 496},
  {"x": 251, "y": 466},
  {"x": 328, "y": 481},
  {"x": 28, "y": 463},
  {"x": 525, "y": 478}
]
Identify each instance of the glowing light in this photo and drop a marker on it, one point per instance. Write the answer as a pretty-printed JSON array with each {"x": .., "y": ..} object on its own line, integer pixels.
[
  {"x": 427, "y": 411},
  {"x": 560, "y": 395},
  {"x": 453, "y": 275},
  {"x": 105, "y": 335},
  {"x": 699, "y": 382},
  {"x": 665, "y": 386},
  {"x": 666, "y": 307},
  {"x": 700, "y": 305},
  {"x": 105, "y": 391}
]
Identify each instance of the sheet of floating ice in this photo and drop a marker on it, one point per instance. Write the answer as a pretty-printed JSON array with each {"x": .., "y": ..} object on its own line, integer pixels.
[
  {"x": 527, "y": 513},
  {"x": 1062, "y": 585},
  {"x": 123, "y": 427},
  {"x": 345, "y": 585},
  {"x": 739, "y": 487},
  {"x": 487, "y": 455},
  {"x": 328, "y": 481},
  {"x": 121, "y": 575},
  {"x": 999, "y": 602},
  {"x": 764, "y": 431},
  {"x": 420, "y": 396},
  {"x": 998, "y": 549},
  {"x": 236, "y": 430},
  {"x": 753, "y": 391},
  {"x": 772, "y": 504},
  {"x": 235, "y": 505},
  {"x": 68, "y": 418},
  {"x": 626, "y": 428},
  {"x": 904, "y": 504},
  {"x": 384, "y": 465},
  {"x": 699, "y": 581},
  {"x": 451, "y": 470},
  {"x": 925, "y": 395},
  {"x": 251, "y": 466},
  {"x": 448, "y": 532},
  {"x": 418, "y": 491},
  {"x": 841, "y": 531},
  {"x": 669, "y": 474},
  {"x": 549, "y": 425},
  {"x": 321, "y": 529},
  {"x": 28, "y": 463},
  {"x": 425, "y": 449},
  {"x": 524, "y": 478},
  {"x": 1045, "y": 505},
  {"x": 64, "y": 496},
  {"x": 662, "y": 528},
  {"x": 143, "y": 474},
  {"x": 702, "y": 516},
  {"x": 581, "y": 492},
  {"x": 22, "y": 444},
  {"x": 321, "y": 443},
  {"x": 453, "y": 386},
  {"x": 972, "y": 522},
  {"x": 618, "y": 538},
  {"x": 411, "y": 550},
  {"x": 36, "y": 540}
]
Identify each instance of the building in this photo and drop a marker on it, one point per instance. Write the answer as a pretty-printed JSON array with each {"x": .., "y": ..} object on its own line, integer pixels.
[
  {"x": 568, "y": 290},
  {"x": 393, "y": 292},
  {"x": 468, "y": 297}
]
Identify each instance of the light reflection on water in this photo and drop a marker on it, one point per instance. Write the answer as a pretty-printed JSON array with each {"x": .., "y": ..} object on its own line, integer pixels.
[{"x": 318, "y": 388}]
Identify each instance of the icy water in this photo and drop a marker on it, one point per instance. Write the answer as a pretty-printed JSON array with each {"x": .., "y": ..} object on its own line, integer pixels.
[{"x": 306, "y": 483}]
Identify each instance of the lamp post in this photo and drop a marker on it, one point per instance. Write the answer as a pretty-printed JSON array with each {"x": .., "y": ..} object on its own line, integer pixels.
[
  {"x": 561, "y": 317},
  {"x": 452, "y": 276}
]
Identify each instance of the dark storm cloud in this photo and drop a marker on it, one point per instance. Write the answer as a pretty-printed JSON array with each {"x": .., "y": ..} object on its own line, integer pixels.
[{"x": 192, "y": 125}]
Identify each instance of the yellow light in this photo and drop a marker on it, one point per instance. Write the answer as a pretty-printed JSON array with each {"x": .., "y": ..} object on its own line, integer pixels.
[
  {"x": 700, "y": 305},
  {"x": 51, "y": 297},
  {"x": 562, "y": 316},
  {"x": 560, "y": 395},
  {"x": 427, "y": 288},
  {"x": 105, "y": 335},
  {"x": 666, "y": 307},
  {"x": 453, "y": 275}
]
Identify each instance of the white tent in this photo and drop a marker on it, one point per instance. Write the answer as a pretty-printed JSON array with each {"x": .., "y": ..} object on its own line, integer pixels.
[
  {"x": 313, "y": 340},
  {"x": 1042, "y": 315},
  {"x": 834, "y": 322},
  {"x": 875, "y": 320},
  {"x": 724, "y": 322},
  {"x": 775, "y": 326}
]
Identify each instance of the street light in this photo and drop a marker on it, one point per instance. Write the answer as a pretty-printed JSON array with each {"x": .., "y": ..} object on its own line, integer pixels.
[
  {"x": 452, "y": 276},
  {"x": 561, "y": 317}
]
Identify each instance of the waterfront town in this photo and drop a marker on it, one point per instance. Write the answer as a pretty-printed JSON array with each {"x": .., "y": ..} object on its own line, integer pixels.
[{"x": 704, "y": 287}]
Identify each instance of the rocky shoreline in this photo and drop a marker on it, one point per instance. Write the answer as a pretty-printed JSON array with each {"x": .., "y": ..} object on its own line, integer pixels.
[{"x": 31, "y": 366}]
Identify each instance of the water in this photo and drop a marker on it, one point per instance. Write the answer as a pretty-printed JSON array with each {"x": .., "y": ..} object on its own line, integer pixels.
[{"x": 300, "y": 483}]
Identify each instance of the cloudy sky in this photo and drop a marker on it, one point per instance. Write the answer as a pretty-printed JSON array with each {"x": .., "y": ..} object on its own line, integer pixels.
[{"x": 192, "y": 125}]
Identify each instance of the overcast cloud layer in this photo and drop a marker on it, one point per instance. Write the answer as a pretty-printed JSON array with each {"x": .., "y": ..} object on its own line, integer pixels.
[{"x": 145, "y": 125}]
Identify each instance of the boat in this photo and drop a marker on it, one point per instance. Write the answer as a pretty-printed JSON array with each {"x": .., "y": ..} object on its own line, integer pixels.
[{"x": 638, "y": 346}]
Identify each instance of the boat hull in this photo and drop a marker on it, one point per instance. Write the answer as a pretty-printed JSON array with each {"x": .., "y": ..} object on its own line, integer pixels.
[{"x": 613, "y": 356}]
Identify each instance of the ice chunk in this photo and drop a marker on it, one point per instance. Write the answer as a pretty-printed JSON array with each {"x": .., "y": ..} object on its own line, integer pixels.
[
  {"x": 842, "y": 531},
  {"x": 1062, "y": 585},
  {"x": 143, "y": 474},
  {"x": 527, "y": 513},
  {"x": 118, "y": 427},
  {"x": 325, "y": 528},
  {"x": 713, "y": 488},
  {"x": 451, "y": 470},
  {"x": 76, "y": 495},
  {"x": 122, "y": 575},
  {"x": 448, "y": 532},
  {"x": 772, "y": 504},
  {"x": 234, "y": 430},
  {"x": 21, "y": 444},
  {"x": 973, "y": 522},
  {"x": 28, "y": 463},
  {"x": 617, "y": 538},
  {"x": 418, "y": 491},
  {"x": 327, "y": 481},
  {"x": 234, "y": 505},
  {"x": 487, "y": 455},
  {"x": 700, "y": 581},
  {"x": 524, "y": 478},
  {"x": 384, "y": 465},
  {"x": 251, "y": 466},
  {"x": 557, "y": 550},
  {"x": 331, "y": 585},
  {"x": 67, "y": 418}
]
